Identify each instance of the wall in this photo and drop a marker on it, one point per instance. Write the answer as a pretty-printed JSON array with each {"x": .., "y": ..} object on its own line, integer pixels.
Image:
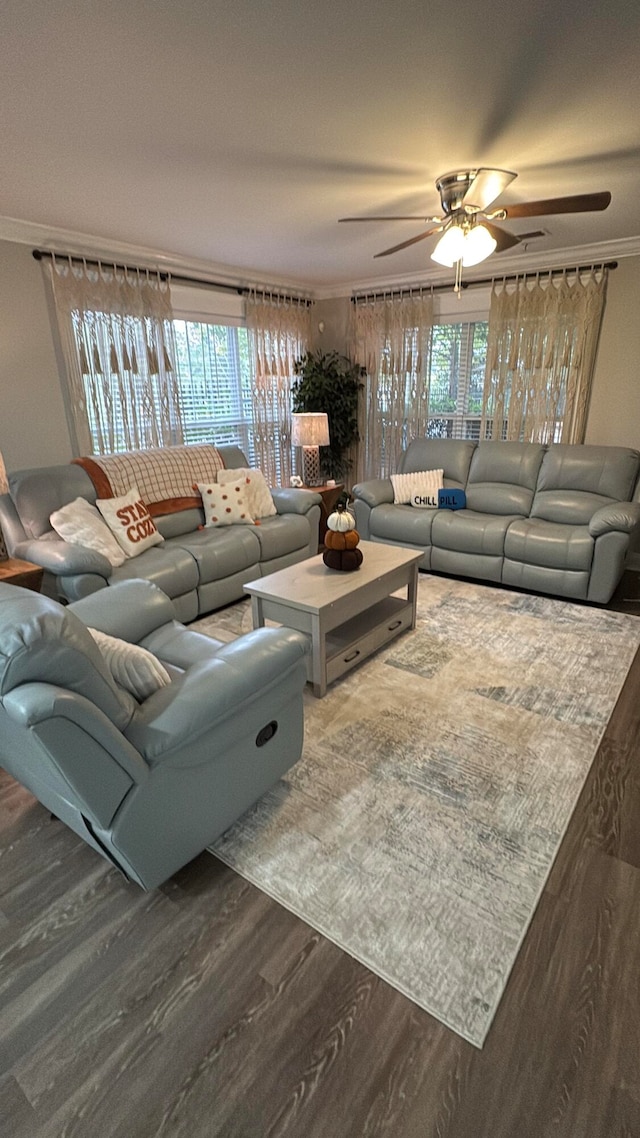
[
  {"x": 33, "y": 425},
  {"x": 614, "y": 411}
]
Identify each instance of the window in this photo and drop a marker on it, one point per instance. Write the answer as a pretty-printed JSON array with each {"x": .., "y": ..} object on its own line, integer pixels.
[
  {"x": 214, "y": 380},
  {"x": 457, "y": 360},
  {"x": 454, "y": 381}
]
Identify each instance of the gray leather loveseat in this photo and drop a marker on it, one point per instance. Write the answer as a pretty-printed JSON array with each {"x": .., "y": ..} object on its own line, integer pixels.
[
  {"x": 560, "y": 519},
  {"x": 201, "y": 569}
]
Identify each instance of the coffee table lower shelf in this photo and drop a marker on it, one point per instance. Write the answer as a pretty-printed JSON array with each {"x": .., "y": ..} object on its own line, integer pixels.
[{"x": 350, "y": 643}]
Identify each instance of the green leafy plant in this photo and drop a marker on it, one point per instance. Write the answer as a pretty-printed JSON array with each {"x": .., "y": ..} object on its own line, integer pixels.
[{"x": 330, "y": 382}]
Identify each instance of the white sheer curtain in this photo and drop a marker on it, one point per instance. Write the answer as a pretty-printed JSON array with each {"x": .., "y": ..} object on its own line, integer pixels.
[
  {"x": 391, "y": 339},
  {"x": 117, "y": 337},
  {"x": 279, "y": 333},
  {"x": 543, "y": 338}
]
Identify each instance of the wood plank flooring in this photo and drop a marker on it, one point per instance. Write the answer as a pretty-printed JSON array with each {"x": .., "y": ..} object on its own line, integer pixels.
[{"x": 204, "y": 1010}]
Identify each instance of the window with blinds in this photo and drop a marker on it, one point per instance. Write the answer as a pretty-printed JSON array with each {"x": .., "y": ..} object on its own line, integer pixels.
[
  {"x": 457, "y": 360},
  {"x": 214, "y": 375}
]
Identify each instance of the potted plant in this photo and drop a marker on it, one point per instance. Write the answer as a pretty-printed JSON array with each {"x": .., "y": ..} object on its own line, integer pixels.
[{"x": 330, "y": 382}]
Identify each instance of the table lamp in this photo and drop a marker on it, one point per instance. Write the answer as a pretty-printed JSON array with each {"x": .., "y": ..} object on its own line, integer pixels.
[{"x": 310, "y": 430}]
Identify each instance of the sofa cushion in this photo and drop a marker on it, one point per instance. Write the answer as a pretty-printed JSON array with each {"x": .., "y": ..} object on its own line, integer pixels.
[
  {"x": 550, "y": 544},
  {"x": 402, "y": 524},
  {"x": 451, "y": 455},
  {"x": 168, "y": 566},
  {"x": 219, "y": 551},
  {"x": 281, "y": 535},
  {"x": 42, "y": 642},
  {"x": 466, "y": 531},
  {"x": 575, "y": 481},
  {"x": 503, "y": 476},
  {"x": 37, "y": 493}
]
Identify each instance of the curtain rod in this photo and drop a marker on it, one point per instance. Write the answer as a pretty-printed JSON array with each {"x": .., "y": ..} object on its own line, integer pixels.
[
  {"x": 484, "y": 281},
  {"x": 241, "y": 290}
]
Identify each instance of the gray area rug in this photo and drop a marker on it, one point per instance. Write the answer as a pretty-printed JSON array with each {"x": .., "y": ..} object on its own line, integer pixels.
[{"x": 437, "y": 781}]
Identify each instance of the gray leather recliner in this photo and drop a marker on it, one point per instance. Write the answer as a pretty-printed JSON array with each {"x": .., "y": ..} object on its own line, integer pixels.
[{"x": 148, "y": 784}]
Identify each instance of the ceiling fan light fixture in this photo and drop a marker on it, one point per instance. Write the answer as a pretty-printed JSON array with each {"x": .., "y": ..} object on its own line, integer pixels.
[
  {"x": 478, "y": 245},
  {"x": 450, "y": 247},
  {"x": 471, "y": 246}
]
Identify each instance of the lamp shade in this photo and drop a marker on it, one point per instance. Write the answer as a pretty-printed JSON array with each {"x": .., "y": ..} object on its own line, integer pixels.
[
  {"x": 478, "y": 245},
  {"x": 310, "y": 429},
  {"x": 450, "y": 247}
]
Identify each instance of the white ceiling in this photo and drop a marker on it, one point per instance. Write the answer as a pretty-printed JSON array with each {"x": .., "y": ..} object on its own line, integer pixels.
[{"x": 236, "y": 133}]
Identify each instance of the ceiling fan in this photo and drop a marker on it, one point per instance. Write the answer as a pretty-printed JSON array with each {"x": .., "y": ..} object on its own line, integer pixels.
[{"x": 469, "y": 234}]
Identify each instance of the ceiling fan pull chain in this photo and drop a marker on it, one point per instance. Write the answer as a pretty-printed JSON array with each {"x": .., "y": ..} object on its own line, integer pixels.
[{"x": 457, "y": 288}]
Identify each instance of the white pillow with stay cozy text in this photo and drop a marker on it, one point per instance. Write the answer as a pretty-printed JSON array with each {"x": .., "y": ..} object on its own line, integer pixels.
[
  {"x": 130, "y": 522},
  {"x": 419, "y": 488},
  {"x": 258, "y": 494}
]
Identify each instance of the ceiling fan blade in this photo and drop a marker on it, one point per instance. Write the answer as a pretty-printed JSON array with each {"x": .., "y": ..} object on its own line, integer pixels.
[
  {"x": 504, "y": 239},
  {"x": 577, "y": 203},
  {"x": 422, "y": 218},
  {"x": 411, "y": 241},
  {"x": 487, "y": 185}
]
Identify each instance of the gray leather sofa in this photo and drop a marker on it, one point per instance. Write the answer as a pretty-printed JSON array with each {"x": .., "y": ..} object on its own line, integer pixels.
[
  {"x": 200, "y": 569},
  {"x": 147, "y": 784},
  {"x": 560, "y": 519}
]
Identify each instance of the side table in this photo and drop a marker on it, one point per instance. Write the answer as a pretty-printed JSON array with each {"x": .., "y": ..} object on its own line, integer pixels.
[
  {"x": 25, "y": 573},
  {"x": 329, "y": 495}
]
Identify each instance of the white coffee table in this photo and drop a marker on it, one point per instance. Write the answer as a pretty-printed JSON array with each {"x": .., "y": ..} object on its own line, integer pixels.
[{"x": 347, "y": 615}]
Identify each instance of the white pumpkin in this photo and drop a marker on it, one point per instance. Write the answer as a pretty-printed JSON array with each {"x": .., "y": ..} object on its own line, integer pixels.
[{"x": 341, "y": 520}]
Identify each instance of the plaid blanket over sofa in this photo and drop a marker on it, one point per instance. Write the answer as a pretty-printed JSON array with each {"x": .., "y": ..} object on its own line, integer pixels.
[{"x": 164, "y": 477}]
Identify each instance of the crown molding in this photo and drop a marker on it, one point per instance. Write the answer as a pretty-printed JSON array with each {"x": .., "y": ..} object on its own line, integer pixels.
[
  {"x": 508, "y": 264},
  {"x": 58, "y": 240}
]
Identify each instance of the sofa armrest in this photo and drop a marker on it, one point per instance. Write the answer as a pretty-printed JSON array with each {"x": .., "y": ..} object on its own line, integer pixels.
[
  {"x": 215, "y": 691},
  {"x": 62, "y": 558},
  {"x": 36, "y": 704},
  {"x": 621, "y": 516},
  {"x": 288, "y": 500},
  {"x": 129, "y": 610},
  {"x": 375, "y": 492}
]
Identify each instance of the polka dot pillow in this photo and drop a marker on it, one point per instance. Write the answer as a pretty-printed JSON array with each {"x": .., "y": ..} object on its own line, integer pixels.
[{"x": 225, "y": 505}]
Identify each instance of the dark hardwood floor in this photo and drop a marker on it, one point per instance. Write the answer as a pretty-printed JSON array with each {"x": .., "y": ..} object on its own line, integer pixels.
[{"x": 203, "y": 1009}]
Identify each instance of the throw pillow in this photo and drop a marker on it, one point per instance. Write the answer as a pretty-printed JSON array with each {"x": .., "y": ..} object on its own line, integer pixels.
[
  {"x": 81, "y": 524},
  {"x": 225, "y": 505},
  {"x": 132, "y": 667},
  {"x": 259, "y": 498},
  {"x": 129, "y": 519},
  {"x": 419, "y": 488}
]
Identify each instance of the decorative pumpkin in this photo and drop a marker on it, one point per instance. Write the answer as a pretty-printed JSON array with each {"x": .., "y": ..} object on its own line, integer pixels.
[
  {"x": 337, "y": 540},
  {"x": 345, "y": 560},
  {"x": 341, "y": 520},
  {"x": 341, "y": 540}
]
